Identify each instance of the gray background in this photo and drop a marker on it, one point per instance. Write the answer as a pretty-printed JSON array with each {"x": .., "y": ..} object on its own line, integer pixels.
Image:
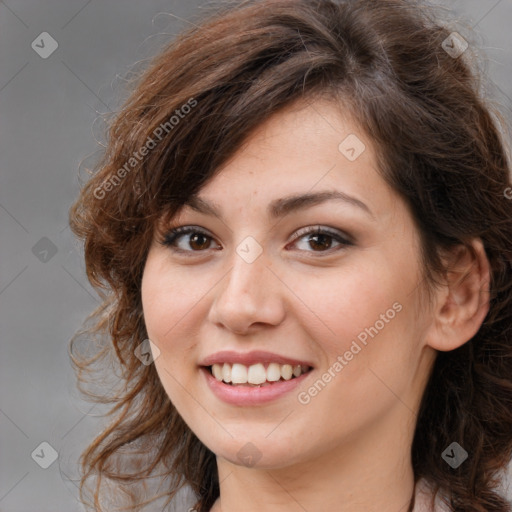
[{"x": 49, "y": 111}]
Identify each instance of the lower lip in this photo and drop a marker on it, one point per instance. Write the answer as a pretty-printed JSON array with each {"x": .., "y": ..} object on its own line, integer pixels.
[{"x": 251, "y": 395}]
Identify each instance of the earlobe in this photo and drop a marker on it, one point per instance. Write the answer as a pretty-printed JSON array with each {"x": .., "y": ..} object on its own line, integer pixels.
[{"x": 463, "y": 302}]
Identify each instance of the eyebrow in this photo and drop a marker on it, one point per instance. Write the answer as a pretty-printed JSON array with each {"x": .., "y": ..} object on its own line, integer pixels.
[{"x": 284, "y": 205}]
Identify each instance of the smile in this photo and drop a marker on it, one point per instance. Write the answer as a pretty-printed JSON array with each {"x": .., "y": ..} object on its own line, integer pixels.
[
  {"x": 243, "y": 394},
  {"x": 259, "y": 374}
]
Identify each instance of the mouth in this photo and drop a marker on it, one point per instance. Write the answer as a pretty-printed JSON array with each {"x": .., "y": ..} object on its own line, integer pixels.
[{"x": 256, "y": 375}]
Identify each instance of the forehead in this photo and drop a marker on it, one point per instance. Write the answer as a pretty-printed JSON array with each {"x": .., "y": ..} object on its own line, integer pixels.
[{"x": 306, "y": 147}]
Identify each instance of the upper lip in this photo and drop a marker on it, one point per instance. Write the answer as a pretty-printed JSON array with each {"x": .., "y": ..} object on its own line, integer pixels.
[{"x": 249, "y": 358}]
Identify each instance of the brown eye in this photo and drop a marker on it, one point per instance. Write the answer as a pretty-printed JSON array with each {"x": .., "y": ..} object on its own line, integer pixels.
[
  {"x": 321, "y": 240},
  {"x": 199, "y": 240}
]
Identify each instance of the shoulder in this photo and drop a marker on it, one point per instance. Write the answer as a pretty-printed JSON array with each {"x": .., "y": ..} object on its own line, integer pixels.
[{"x": 423, "y": 499}]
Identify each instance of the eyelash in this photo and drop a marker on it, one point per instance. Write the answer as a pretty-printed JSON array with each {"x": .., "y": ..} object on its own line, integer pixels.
[{"x": 174, "y": 234}]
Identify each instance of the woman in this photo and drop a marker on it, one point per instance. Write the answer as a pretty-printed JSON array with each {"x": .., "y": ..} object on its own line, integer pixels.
[{"x": 303, "y": 228}]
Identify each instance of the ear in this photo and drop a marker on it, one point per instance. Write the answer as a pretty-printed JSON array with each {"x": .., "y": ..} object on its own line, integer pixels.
[{"x": 463, "y": 302}]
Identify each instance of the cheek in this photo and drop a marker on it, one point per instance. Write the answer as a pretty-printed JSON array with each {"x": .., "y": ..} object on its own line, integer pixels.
[
  {"x": 361, "y": 318},
  {"x": 164, "y": 316},
  {"x": 161, "y": 321},
  {"x": 343, "y": 304},
  {"x": 168, "y": 300}
]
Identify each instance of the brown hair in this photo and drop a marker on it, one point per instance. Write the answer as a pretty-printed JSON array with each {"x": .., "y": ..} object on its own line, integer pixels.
[{"x": 438, "y": 146}]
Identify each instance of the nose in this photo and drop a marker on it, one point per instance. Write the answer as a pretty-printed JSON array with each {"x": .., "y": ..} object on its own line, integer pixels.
[{"x": 249, "y": 295}]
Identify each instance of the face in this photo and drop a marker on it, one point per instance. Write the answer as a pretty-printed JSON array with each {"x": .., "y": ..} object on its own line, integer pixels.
[{"x": 330, "y": 286}]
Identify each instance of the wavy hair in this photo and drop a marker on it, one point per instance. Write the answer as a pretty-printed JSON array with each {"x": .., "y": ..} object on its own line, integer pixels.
[{"x": 440, "y": 145}]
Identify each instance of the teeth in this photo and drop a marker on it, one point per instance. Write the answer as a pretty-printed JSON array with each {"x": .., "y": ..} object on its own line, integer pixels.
[
  {"x": 217, "y": 371},
  {"x": 286, "y": 371},
  {"x": 238, "y": 373},
  {"x": 256, "y": 374},
  {"x": 273, "y": 372},
  {"x": 226, "y": 372}
]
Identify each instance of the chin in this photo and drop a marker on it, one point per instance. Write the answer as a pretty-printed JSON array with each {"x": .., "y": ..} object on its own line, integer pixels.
[{"x": 257, "y": 452}]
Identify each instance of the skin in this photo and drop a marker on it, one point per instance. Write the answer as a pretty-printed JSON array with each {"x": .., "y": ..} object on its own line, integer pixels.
[{"x": 348, "y": 449}]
